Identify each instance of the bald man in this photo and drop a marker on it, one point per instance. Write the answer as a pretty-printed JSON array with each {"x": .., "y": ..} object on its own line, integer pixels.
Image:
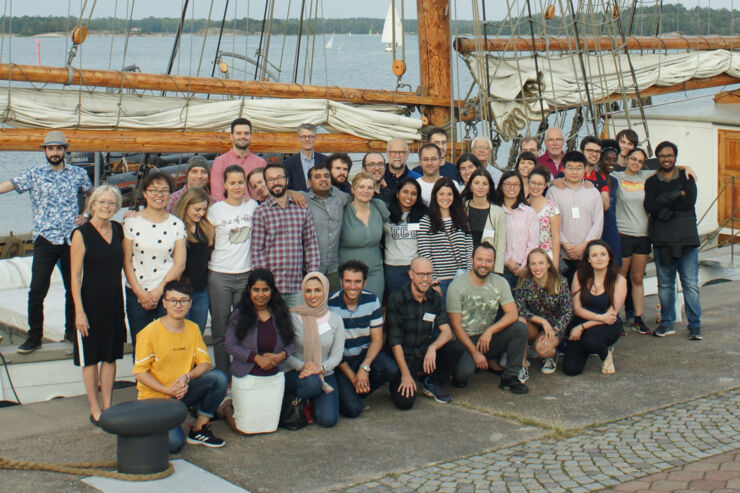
[{"x": 552, "y": 158}]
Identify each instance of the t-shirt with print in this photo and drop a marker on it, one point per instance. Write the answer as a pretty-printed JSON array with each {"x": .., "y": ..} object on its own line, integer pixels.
[
  {"x": 233, "y": 239},
  {"x": 632, "y": 219},
  {"x": 153, "y": 247},
  {"x": 478, "y": 305},
  {"x": 166, "y": 355},
  {"x": 400, "y": 241}
]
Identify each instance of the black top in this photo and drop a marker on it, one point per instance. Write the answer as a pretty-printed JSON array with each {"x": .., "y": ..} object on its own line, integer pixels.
[
  {"x": 414, "y": 325},
  {"x": 196, "y": 264},
  {"x": 478, "y": 219},
  {"x": 672, "y": 214}
]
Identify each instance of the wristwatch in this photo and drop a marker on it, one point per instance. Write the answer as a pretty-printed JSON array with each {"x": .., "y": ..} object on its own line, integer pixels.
[{"x": 366, "y": 368}]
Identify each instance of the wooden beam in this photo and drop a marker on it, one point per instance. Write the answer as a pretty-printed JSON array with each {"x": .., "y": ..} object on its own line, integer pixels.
[
  {"x": 434, "y": 56},
  {"x": 12, "y": 139},
  {"x": 231, "y": 87},
  {"x": 726, "y": 97},
  {"x": 467, "y": 45}
]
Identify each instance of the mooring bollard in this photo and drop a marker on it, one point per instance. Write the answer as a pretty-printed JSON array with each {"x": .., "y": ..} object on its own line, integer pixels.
[{"x": 143, "y": 429}]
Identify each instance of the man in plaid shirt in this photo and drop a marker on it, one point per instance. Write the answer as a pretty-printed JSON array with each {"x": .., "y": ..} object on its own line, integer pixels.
[{"x": 284, "y": 237}]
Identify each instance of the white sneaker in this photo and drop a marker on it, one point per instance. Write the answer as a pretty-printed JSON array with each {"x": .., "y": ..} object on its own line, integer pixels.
[
  {"x": 523, "y": 374},
  {"x": 549, "y": 366}
]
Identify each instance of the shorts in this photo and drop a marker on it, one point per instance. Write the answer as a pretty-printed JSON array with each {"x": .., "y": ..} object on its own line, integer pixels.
[{"x": 635, "y": 245}]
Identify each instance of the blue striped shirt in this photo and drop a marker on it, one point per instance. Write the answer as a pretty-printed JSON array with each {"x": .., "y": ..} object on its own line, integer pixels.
[{"x": 367, "y": 315}]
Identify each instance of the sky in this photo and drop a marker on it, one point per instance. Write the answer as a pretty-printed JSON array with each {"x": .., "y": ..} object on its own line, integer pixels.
[{"x": 255, "y": 9}]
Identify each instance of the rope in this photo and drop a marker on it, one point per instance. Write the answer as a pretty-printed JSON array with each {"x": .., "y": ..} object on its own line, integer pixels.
[
  {"x": 83, "y": 469},
  {"x": 205, "y": 38}
]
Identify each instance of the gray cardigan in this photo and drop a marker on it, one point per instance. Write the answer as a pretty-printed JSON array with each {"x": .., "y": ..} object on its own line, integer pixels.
[{"x": 332, "y": 345}]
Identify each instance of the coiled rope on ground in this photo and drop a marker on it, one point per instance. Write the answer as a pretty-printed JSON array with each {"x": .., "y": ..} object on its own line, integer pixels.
[{"x": 84, "y": 468}]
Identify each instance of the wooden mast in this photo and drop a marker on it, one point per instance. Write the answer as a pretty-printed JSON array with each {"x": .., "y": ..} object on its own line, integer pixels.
[{"x": 433, "y": 17}]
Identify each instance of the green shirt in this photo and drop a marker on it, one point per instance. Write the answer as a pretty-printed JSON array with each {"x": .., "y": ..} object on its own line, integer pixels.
[{"x": 478, "y": 305}]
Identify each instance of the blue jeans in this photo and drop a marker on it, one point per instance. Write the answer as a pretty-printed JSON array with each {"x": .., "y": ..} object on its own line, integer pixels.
[
  {"x": 687, "y": 267},
  {"x": 325, "y": 406},
  {"x": 396, "y": 276},
  {"x": 199, "y": 309},
  {"x": 207, "y": 392},
  {"x": 138, "y": 317},
  {"x": 383, "y": 370}
]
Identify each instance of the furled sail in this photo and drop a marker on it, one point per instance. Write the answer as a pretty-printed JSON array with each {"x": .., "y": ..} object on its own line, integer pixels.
[
  {"x": 514, "y": 86},
  {"x": 27, "y": 107}
]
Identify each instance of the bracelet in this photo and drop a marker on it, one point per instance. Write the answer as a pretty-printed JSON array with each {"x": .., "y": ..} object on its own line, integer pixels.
[{"x": 187, "y": 378}]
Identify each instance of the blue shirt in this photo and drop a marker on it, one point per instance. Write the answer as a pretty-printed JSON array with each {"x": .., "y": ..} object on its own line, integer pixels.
[
  {"x": 367, "y": 315},
  {"x": 307, "y": 163},
  {"x": 53, "y": 199}
]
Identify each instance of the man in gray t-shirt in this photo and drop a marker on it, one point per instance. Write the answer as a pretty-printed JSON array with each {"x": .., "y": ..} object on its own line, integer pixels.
[{"x": 473, "y": 302}]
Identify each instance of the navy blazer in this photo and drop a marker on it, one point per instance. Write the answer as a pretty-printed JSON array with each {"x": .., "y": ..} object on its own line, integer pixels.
[{"x": 294, "y": 170}]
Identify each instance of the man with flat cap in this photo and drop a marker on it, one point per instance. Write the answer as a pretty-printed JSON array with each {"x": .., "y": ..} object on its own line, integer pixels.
[{"x": 54, "y": 189}]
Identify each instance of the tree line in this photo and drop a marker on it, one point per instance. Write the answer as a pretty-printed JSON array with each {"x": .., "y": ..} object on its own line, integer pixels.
[{"x": 644, "y": 21}]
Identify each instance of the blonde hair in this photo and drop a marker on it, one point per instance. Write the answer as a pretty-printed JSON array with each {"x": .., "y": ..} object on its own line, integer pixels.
[
  {"x": 193, "y": 196},
  {"x": 100, "y": 189},
  {"x": 362, "y": 175},
  {"x": 553, "y": 285}
]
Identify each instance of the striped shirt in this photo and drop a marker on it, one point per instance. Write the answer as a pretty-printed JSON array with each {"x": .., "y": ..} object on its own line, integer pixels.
[
  {"x": 358, "y": 323},
  {"x": 522, "y": 233},
  {"x": 449, "y": 250}
]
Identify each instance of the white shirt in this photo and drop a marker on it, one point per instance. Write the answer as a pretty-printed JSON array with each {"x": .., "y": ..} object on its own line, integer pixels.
[{"x": 233, "y": 239}]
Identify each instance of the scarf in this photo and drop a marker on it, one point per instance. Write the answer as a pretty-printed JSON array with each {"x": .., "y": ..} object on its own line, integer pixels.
[{"x": 311, "y": 339}]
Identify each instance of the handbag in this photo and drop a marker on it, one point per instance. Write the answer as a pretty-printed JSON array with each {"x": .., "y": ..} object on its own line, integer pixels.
[{"x": 292, "y": 414}]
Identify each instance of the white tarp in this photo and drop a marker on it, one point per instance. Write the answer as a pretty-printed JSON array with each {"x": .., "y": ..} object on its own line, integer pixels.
[
  {"x": 513, "y": 80},
  {"x": 70, "y": 108}
]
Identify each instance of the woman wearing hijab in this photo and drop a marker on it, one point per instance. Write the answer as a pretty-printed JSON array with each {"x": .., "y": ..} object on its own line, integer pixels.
[{"x": 319, "y": 345}]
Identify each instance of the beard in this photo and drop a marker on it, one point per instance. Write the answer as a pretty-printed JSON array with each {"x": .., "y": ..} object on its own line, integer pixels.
[
  {"x": 278, "y": 192},
  {"x": 338, "y": 183},
  {"x": 55, "y": 160},
  {"x": 477, "y": 274}
]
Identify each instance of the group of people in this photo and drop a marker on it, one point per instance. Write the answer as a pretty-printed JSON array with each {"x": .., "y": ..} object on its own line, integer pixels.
[{"x": 478, "y": 270}]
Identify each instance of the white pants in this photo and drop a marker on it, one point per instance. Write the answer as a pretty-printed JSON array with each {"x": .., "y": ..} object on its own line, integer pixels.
[{"x": 257, "y": 402}]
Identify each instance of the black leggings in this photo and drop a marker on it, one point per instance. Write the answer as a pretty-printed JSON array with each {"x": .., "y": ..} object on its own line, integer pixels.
[{"x": 595, "y": 340}]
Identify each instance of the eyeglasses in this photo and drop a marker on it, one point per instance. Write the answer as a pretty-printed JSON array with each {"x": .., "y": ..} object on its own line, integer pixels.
[
  {"x": 158, "y": 191},
  {"x": 666, "y": 156},
  {"x": 182, "y": 302},
  {"x": 424, "y": 275},
  {"x": 510, "y": 185},
  {"x": 275, "y": 179},
  {"x": 592, "y": 151},
  {"x": 306, "y": 137},
  {"x": 636, "y": 159},
  {"x": 481, "y": 148}
]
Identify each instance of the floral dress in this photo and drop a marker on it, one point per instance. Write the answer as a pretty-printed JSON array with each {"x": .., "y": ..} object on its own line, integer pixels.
[{"x": 544, "y": 216}]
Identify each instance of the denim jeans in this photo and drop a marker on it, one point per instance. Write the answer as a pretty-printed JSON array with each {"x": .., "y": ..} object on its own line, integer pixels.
[
  {"x": 383, "y": 370},
  {"x": 207, "y": 392},
  {"x": 224, "y": 293},
  {"x": 687, "y": 267},
  {"x": 199, "y": 309},
  {"x": 45, "y": 258},
  {"x": 138, "y": 317},
  {"x": 396, "y": 276},
  {"x": 325, "y": 406}
]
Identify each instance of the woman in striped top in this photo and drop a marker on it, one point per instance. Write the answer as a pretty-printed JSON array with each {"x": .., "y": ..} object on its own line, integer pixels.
[
  {"x": 444, "y": 235},
  {"x": 522, "y": 225}
]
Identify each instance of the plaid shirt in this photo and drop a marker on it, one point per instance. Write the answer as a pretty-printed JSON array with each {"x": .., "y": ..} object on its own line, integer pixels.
[
  {"x": 407, "y": 325},
  {"x": 53, "y": 199},
  {"x": 284, "y": 241}
]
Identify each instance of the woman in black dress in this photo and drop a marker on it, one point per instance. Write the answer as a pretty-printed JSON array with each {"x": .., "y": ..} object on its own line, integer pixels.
[{"x": 96, "y": 258}]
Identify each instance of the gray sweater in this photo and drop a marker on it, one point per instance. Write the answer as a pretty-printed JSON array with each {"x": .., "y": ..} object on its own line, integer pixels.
[{"x": 332, "y": 344}]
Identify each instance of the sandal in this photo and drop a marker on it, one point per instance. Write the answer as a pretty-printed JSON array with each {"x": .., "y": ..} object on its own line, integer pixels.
[{"x": 607, "y": 366}]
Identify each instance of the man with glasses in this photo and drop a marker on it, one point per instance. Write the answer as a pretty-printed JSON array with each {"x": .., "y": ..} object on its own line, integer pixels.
[
  {"x": 670, "y": 199},
  {"x": 438, "y": 137},
  {"x": 420, "y": 337},
  {"x": 241, "y": 136},
  {"x": 172, "y": 362},
  {"x": 581, "y": 213},
  {"x": 397, "y": 153},
  {"x": 298, "y": 165},
  {"x": 482, "y": 148},
  {"x": 54, "y": 189},
  {"x": 283, "y": 237},
  {"x": 373, "y": 163},
  {"x": 552, "y": 158},
  {"x": 430, "y": 158}
]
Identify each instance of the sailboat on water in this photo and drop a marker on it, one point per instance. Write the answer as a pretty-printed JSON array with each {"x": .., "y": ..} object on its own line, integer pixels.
[{"x": 392, "y": 27}]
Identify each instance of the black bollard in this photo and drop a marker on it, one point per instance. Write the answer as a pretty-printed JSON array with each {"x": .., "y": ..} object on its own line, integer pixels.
[{"x": 143, "y": 429}]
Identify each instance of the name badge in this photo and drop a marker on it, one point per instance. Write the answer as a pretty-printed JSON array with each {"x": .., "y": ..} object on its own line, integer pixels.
[
  {"x": 429, "y": 317},
  {"x": 413, "y": 226},
  {"x": 575, "y": 213},
  {"x": 325, "y": 327},
  {"x": 489, "y": 233}
]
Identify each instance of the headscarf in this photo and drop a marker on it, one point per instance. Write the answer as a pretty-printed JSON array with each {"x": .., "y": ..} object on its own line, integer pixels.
[{"x": 311, "y": 339}]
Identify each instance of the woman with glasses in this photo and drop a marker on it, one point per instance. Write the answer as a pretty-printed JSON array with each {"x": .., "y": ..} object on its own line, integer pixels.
[
  {"x": 154, "y": 252},
  {"x": 444, "y": 235},
  {"x": 548, "y": 213},
  {"x": 487, "y": 220},
  {"x": 96, "y": 261},
  {"x": 230, "y": 263},
  {"x": 522, "y": 225},
  {"x": 362, "y": 231}
]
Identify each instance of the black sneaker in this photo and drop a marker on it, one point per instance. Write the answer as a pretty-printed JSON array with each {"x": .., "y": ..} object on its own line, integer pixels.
[
  {"x": 459, "y": 384},
  {"x": 695, "y": 334},
  {"x": 640, "y": 327},
  {"x": 662, "y": 331},
  {"x": 436, "y": 392},
  {"x": 31, "y": 345},
  {"x": 204, "y": 437},
  {"x": 514, "y": 385}
]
